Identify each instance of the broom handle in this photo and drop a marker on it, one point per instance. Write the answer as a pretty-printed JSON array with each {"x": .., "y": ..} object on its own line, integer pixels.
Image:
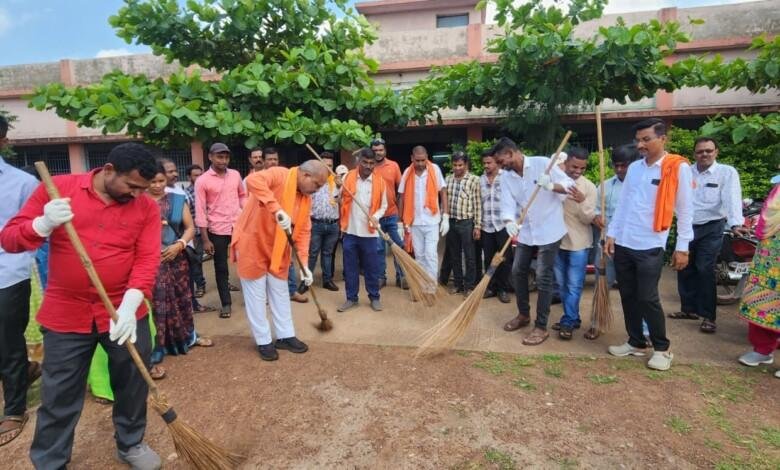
[
  {"x": 500, "y": 254},
  {"x": 300, "y": 266},
  {"x": 602, "y": 171},
  {"x": 54, "y": 193},
  {"x": 354, "y": 199}
]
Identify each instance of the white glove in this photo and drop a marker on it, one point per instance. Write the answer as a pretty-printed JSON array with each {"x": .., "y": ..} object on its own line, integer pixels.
[
  {"x": 306, "y": 276},
  {"x": 283, "y": 220},
  {"x": 545, "y": 182},
  {"x": 55, "y": 213},
  {"x": 512, "y": 229},
  {"x": 445, "y": 224},
  {"x": 126, "y": 324}
]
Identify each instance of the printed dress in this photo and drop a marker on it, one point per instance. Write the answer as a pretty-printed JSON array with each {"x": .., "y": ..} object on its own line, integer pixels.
[{"x": 761, "y": 301}]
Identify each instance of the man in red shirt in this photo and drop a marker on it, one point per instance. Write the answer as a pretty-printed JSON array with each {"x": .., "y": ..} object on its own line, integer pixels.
[
  {"x": 120, "y": 228},
  {"x": 391, "y": 173}
]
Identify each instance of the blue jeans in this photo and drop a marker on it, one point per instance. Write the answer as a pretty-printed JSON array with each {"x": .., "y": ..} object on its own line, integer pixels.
[
  {"x": 323, "y": 241},
  {"x": 292, "y": 279},
  {"x": 360, "y": 253},
  {"x": 389, "y": 225},
  {"x": 570, "y": 273}
]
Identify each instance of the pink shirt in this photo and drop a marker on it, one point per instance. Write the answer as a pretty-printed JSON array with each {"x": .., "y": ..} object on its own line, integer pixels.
[{"x": 218, "y": 200}]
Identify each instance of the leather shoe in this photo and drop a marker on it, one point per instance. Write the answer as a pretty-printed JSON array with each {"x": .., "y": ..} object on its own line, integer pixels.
[
  {"x": 330, "y": 286},
  {"x": 302, "y": 288},
  {"x": 489, "y": 293},
  {"x": 516, "y": 323},
  {"x": 268, "y": 352},
  {"x": 292, "y": 344},
  {"x": 503, "y": 297}
]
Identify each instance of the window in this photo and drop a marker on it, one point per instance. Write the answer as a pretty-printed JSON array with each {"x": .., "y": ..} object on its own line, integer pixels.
[
  {"x": 452, "y": 21},
  {"x": 55, "y": 156}
]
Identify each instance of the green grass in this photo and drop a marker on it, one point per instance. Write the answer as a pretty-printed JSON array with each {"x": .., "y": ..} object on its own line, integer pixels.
[
  {"x": 626, "y": 364},
  {"x": 493, "y": 363},
  {"x": 655, "y": 375},
  {"x": 711, "y": 444},
  {"x": 500, "y": 459},
  {"x": 551, "y": 358},
  {"x": 603, "y": 379},
  {"x": 523, "y": 384},
  {"x": 554, "y": 370},
  {"x": 771, "y": 436},
  {"x": 678, "y": 425}
]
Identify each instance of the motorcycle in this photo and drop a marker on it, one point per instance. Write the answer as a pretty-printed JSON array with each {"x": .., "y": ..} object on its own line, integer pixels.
[{"x": 736, "y": 254}]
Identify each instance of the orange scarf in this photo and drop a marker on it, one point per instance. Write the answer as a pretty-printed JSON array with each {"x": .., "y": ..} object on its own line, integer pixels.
[
  {"x": 667, "y": 191},
  {"x": 289, "y": 198},
  {"x": 331, "y": 185},
  {"x": 431, "y": 193},
  {"x": 350, "y": 188}
]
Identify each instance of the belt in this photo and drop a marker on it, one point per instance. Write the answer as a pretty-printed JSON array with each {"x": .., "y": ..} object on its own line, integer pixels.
[
  {"x": 461, "y": 220},
  {"x": 710, "y": 222},
  {"x": 324, "y": 221}
]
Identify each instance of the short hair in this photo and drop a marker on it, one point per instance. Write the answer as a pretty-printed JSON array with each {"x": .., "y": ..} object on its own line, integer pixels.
[
  {"x": 488, "y": 152},
  {"x": 658, "y": 125},
  {"x": 189, "y": 169},
  {"x": 504, "y": 144},
  {"x": 377, "y": 141},
  {"x": 163, "y": 160},
  {"x": 579, "y": 153},
  {"x": 460, "y": 156},
  {"x": 3, "y": 126},
  {"x": 327, "y": 154},
  {"x": 626, "y": 153},
  {"x": 270, "y": 151},
  {"x": 159, "y": 168},
  {"x": 256, "y": 149},
  {"x": 366, "y": 152},
  {"x": 705, "y": 139},
  {"x": 133, "y": 156},
  {"x": 419, "y": 149}
]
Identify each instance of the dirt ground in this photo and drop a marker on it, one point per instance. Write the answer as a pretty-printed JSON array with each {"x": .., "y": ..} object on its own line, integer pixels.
[{"x": 358, "y": 398}]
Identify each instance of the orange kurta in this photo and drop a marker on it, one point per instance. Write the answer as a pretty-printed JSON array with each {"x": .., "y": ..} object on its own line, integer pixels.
[{"x": 253, "y": 235}]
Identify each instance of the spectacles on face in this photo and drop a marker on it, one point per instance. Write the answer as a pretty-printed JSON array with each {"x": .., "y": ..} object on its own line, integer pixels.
[{"x": 700, "y": 151}]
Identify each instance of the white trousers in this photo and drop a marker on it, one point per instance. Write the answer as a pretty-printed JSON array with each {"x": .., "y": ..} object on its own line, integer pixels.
[
  {"x": 425, "y": 241},
  {"x": 256, "y": 291}
]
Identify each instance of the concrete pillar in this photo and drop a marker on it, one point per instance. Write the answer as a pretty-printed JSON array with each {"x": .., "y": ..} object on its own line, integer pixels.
[
  {"x": 78, "y": 158},
  {"x": 474, "y": 133},
  {"x": 196, "y": 149},
  {"x": 474, "y": 40}
]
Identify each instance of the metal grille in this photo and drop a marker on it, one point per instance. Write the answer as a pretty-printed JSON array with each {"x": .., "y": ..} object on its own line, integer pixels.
[
  {"x": 97, "y": 154},
  {"x": 55, "y": 156},
  {"x": 181, "y": 157}
]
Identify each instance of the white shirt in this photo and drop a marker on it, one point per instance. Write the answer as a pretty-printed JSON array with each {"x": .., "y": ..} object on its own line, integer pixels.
[
  {"x": 16, "y": 186},
  {"x": 632, "y": 225},
  {"x": 544, "y": 222},
  {"x": 717, "y": 195},
  {"x": 358, "y": 222},
  {"x": 423, "y": 215}
]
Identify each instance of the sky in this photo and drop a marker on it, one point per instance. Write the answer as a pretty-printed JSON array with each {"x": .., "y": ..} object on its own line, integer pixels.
[{"x": 33, "y": 31}]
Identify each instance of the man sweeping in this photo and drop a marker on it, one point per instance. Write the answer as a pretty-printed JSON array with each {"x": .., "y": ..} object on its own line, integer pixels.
[
  {"x": 120, "y": 228},
  {"x": 279, "y": 201}
]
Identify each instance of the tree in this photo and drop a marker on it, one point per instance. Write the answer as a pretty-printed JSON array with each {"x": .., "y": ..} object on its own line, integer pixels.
[
  {"x": 289, "y": 70},
  {"x": 7, "y": 152}
]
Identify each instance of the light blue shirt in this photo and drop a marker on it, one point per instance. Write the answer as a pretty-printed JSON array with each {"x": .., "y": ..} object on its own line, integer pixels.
[
  {"x": 16, "y": 186},
  {"x": 614, "y": 187}
]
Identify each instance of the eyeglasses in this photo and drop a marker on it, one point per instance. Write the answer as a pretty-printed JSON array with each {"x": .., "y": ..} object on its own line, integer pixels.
[{"x": 377, "y": 142}]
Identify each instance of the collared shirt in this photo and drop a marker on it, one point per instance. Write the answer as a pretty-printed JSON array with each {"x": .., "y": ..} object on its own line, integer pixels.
[
  {"x": 491, "y": 203},
  {"x": 325, "y": 203},
  {"x": 611, "y": 199},
  {"x": 358, "y": 222},
  {"x": 15, "y": 188},
  {"x": 632, "y": 225},
  {"x": 422, "y": 215},
  {"x": 218, "y": 200},
  {"x": 544, "y": 222},
  {"x": 465, "y": 199},
  {"x": 578, "y": 216},
  {"x": 122, "y": 240},
  {"x": 717, "y": 195},
  {"x": 391, "y": 172},
  {"x": 189, "y": 191}
]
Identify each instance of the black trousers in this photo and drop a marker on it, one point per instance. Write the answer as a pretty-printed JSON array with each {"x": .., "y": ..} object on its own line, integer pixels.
[
  {"x": 65, "y": 369},
  {"x": 460, "y": 245},
  {"x": 14, "y": 315},
  {"x": 545, "y": 263},
  {"x": 696, "y": 283},
  {"x": 491, "y": 244},
  {"x": 638, "y": 273},
  {"x": 221, "y": 273}
]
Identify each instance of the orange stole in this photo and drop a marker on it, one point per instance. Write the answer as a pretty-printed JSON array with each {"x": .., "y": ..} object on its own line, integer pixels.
[
  {"x": 667, "y": 191},
  {"x": 350, "y": 186},
  {"x": 431, "y": 190},
  {"x": 288, "y": 205}
]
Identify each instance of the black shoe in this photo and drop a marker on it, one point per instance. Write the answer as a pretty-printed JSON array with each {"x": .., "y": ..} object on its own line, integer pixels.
[
  {"x": 330, "y": 286},
  {"x": 489, "y": 294},
  {"x": 268, "y": 352},
  {"x": 456, "y": 290},
  {"x": 292, "y": 344},
  {"x": 302, "y": 288},
  {"x": 503, "y": 297},
  {"x": 557, "y": 326},
  {"x": 555, "y": 300}
]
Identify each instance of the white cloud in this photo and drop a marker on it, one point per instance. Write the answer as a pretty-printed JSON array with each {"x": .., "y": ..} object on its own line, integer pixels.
[
  {"x": 112, "y": 53},
  {"x": 5, "y": 22}
]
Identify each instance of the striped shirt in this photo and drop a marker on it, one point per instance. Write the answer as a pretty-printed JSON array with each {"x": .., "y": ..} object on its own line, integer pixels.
[
  {"x": 189, "y": 193},
  {"x": 491, "y": 203},
  {"x": 465, "y": 201}
]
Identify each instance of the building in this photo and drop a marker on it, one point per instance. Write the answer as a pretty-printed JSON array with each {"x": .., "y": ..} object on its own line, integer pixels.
[{"x": 413, "y": 36}]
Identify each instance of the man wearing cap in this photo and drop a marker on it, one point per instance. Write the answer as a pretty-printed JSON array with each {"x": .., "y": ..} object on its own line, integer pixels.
[
  {"x": 219, "y": 197},
  {"x": 391, "y": 173}
]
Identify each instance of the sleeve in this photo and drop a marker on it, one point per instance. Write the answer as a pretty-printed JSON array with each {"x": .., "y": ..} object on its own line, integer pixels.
[
  {"x": 147, "y": 253},
  {"x": 402, "y": 184},
  {"x": 200, "y": 204},
  {"x": 440, "y": 177},
  {"x": 259, "y": 185},
  {"x": 734, "y": 199},
  {"x": 242, "y": 191},
  {"x": 477, "y": 203},
  {"x": 587, "y": 209},
  {"x": 558, "y": 176},
  {"x": 302, "y": 238},
  {"x": 508, "y": 203},
  {"x": 597, "y": 210},
  {"x": 396, "y": 176},
  {"x": 18, "y": 235},
  {"x": 683, "y": 207},
  {"x": 383, "y": 205}
]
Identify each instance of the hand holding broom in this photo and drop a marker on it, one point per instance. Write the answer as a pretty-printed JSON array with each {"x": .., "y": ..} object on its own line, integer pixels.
[
  {"x": 198, "y": 451},
  {"x": 449, "y": 330}
]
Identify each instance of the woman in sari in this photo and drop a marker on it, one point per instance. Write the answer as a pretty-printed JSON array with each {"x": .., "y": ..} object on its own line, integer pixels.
[{"x": 761, "y": 302}]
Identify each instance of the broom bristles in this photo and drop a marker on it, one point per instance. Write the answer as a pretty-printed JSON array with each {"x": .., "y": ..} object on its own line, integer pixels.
[
  {"x": 325, "y": 324},
  {"x": 421, "y": 285},
  {"x": 449, "y": 330},
  {"x": 602, "y": 309},
  {"x": 199, "y": 452}
]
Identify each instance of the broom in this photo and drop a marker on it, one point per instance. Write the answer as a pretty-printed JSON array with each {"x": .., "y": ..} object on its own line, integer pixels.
[
  {"x": 198, "y": 451},
  {"x": 601, "y": 316},
  {"x": 421, "y": 285},
  {"x": 449, "y": 330},
  {"x": 325, "y": 324}
]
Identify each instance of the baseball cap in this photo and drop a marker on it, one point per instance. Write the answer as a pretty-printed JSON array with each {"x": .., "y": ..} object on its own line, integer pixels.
[
  {"x": 342, "y": 170},
  {"x": 219, "y": 147}
]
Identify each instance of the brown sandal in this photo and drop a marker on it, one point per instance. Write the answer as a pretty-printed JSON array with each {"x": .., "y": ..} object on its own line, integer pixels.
[
  {"x": 204, "y": 342},
  {"x": 11, "y": 427},
  {"x": 536, "y": 337},
  {"x": 157, "y": 372},
  {"x": 592, "y": 333},
  {"x": 683, "y": 316},
  {"x": 516, "y": 323},
  {"x": 203, "y": 309}
]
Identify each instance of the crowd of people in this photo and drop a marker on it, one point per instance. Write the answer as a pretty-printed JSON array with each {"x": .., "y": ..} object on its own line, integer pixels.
[{"x": 148, "y": 239}]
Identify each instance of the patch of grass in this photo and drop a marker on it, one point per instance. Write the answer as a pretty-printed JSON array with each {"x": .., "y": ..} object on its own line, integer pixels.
[
  {"x": 463, "y": 353},
  {"x": 678, "y": 425},
  {"x": 522, "y": 361},
  {"x": 711, "y": 444},
  {"x": 656, "y": 375},
  {"x": 551, "y": 358},
  {"x": 554, "y": 370},
  {"x": 626, "y": 364},
  {"x": 493, "y": 363},
  {"x": 567, "y": 463},
  {"x": 603, "y": 379},
  {"x": 717, "y": 413},
  {"x": 587, "y": 358},
  {"x": 502, "y": 460},
  {"x": 771, "y": 436},
  {"x": 523, "y": 384},
  {"x": 736, "y": 389}
]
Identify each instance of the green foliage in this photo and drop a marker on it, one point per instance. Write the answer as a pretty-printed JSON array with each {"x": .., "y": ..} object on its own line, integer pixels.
[
  {"x": 757, "y": 75},
  {"x": 290, "y": 71},
  {"x": 7, "y": 152},
  {"x": 678, "y": 425},
  {"x": 501, "y": 460}
]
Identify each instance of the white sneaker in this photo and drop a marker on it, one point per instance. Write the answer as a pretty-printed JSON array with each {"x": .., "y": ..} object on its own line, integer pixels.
[
  {"x": 753, "y": 359},
  {"x": 777, "y": 373},
  {"x": 625, "y": 349},
  {"x": 661, "y": 360}
]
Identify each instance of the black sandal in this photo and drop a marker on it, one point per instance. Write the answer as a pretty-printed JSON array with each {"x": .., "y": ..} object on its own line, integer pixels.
[
  {"x": 683, "y": 316},
  {"x": 708, "y": 326},
  {"x": 566, "y": 332}
]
